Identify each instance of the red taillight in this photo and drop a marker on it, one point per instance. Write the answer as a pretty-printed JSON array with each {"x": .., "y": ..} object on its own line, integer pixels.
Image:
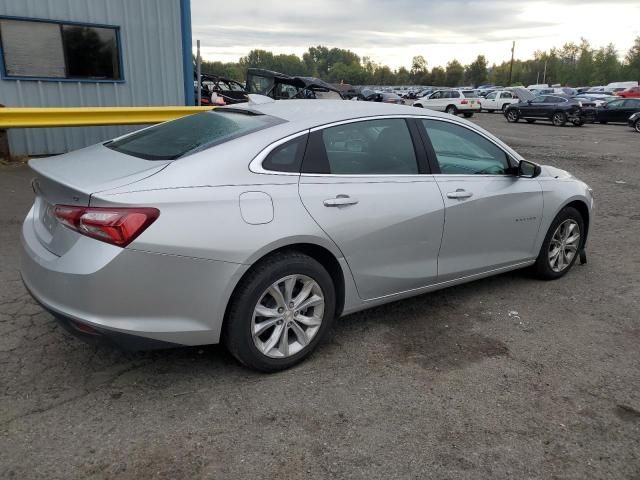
[
  {"x": 118, "y": 226},
  {"x": 464, "y": 102}
]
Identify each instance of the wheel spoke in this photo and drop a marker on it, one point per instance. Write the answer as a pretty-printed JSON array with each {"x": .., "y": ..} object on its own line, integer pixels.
[
  {"x": 275, "y": 292},
  {"x": 304, "y": 293},
  {"x": 283, "y": 345},
  {"x": 267, "y": 312},
  {"x": 289, "y": 285},
  {"x": 573, "y": 238},
  {"x": 273, "y": 339},
  {"x": 310, "y": 302},
  {"x": 308, "y": 321},
  {"x": 262, "y": 326},
  {"x": 300, "y": 333}
]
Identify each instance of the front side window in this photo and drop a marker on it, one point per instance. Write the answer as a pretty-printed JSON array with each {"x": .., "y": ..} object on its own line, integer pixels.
[
  {"x": 372, "y": 147},
  {"x": 59, "y": 50},
  {"x": 461, "y": 151},
  {"x": 615, "y": 104},
  {"x": 491, "y": 96},
  {"x": 436, "y": 96},
  {"x": 190, "y": 134}
]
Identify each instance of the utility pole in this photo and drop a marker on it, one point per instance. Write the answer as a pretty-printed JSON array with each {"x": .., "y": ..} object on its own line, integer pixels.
[
  {"x": 199, "y": 73},
  {"x": 513, "y": 47}
]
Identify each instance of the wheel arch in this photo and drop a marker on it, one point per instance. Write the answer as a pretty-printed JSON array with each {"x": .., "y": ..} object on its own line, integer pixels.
[
  {"x": 323, "y": 255},
  {"x": 583, "y": 209}
]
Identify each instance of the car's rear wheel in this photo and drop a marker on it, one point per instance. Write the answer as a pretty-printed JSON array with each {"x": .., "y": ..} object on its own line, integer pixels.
[
  {"x": 559, "y": 119},
  {"x": 513, "y": 116},
  {"x": 451, "y": 110},
  {"x": 530, "y": 120},
  {"x": 562, "y": 245},
  {"x": 490, "y": 111},
  {"x": 636, "y": 126},
  {"x": 504, "y": 106},
  {"x": 280, "y": 312}
]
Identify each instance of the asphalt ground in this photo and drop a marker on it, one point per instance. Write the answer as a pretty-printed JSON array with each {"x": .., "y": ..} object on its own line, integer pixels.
[{"x": 502, "y": 378}]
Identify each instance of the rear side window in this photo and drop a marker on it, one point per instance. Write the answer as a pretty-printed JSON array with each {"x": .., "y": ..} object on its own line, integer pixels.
[
  {"x": 470, "y": 94},
  {"x": 286, "y": 157},
  {"x": 190, "y": 134},
  {"x": 371, "y": 147}
]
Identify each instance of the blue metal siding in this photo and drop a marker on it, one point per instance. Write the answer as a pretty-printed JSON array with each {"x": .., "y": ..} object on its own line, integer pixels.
[{"x": 151, "y": 39}]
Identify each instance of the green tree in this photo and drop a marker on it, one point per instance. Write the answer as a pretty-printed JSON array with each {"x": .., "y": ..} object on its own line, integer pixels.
[
  {"x": 438, "y": 77},
  {"x": 455, "y": 73},
  {"x": 632, "y": 59},
  {"x": 476, "y": 72}
]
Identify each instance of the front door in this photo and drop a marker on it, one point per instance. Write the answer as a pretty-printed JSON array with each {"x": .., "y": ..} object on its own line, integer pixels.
[
  {"x": 362, "y": 183},
  {"x": 491, "y": 217}
]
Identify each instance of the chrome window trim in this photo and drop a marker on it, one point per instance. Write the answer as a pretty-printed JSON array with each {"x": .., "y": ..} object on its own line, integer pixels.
[{"x": 255, "y": 165}]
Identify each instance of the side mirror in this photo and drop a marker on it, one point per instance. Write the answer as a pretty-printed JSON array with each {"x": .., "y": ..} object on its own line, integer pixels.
[{"x": 527, "y": 169}]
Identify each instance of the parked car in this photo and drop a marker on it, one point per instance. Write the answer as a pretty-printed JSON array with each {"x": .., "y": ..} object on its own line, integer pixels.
[
  {"x": 634, "y": 122},
  {"x": 618, "y": 110},
  {"x": 631, "y": 92},
  {"x": 498, "y": 100},
  {"x": 559, "y": 110},
  {"x": 368, "y": 95},
  {"x": 251, "y": 225},
  {"x": 280, "y": 86},
  {"x": 594, "y": 100},
  {"x": 616, "y": 87},
  {"x": 451, "y": 101}
]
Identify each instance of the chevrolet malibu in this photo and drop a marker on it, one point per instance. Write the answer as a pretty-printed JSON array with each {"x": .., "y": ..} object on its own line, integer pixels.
[{"x": 256, "y": 225}]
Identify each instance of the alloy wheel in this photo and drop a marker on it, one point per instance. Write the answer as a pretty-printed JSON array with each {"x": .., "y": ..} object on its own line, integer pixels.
[
  {"x": 564, "y": 245},
  {"x": 512, "y": 116},
  {"x": 287, "y": 316},
  {"x": 637, "y": 126},
  {"x": 558, "y": 119}
]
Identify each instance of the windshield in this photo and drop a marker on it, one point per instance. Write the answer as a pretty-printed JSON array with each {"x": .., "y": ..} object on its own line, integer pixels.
[{"x": 190, "y": 134}]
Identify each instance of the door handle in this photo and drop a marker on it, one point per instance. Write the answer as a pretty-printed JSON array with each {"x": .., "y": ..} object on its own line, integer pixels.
[
  {"x": 340, "y": 201},
  {"x": 459, "y": 194}
]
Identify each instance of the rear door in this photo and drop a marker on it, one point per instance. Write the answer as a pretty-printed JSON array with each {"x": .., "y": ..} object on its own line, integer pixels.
[
  {"x": 364, "y": 183},
  {"x": 491, "y": 217},
  {"x": 630, "y": 107}
]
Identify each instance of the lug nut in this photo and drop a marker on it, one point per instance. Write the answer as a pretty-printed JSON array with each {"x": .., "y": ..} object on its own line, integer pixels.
[
  {"x": 280, "y": 310},
  {"x": 290, "y": 304}
]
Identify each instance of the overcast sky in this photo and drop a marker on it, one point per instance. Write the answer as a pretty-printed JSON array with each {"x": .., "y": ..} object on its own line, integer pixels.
[{"x": 392, "y": 32}]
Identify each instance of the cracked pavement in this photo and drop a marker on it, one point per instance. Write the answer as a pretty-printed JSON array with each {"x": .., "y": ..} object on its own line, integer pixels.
[{"x": 507, "y": 377}]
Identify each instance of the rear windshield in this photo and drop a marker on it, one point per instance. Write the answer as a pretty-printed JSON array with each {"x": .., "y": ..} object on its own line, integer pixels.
[
  {"x": 470, "y": 94},
  {"x": 191, "y": 134}
]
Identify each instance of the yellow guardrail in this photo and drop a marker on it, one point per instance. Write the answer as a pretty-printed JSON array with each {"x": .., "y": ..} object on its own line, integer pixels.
[{"x": 88, "y": 116}]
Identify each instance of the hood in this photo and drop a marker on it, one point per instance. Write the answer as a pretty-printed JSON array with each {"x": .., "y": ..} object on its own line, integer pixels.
[{"x": 549, "y": 171}]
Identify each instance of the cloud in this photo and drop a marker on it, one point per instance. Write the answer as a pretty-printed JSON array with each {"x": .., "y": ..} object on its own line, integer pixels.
[{"x": 392, "y": 30}]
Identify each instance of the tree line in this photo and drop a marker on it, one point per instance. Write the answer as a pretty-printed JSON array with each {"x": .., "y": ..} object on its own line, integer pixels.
[{"x": 576, "y": 64}]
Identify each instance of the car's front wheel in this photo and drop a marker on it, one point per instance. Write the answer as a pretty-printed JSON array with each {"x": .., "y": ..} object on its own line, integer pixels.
[
  {"x": 636, "y": 126},
  {"x": 280, "y": 312},
  {"x": 512, "y": 116},
  {"x": 559, "y": 119},
  {"x": 562, "y": 245}
]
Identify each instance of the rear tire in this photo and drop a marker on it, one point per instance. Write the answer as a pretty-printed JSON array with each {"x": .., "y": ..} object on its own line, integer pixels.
[
  {"x": 559, "y": 119},
  {"x": 491, "y": 111},
  {"x": 451, "y": 110},
  {"x": 253, "y": 305},
  {"x": 550, "y": 267},
  {"x": 636, "y": 126}
]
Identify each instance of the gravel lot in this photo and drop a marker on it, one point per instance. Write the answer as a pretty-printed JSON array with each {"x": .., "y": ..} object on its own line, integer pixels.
[{"x": 507, "y": 377}]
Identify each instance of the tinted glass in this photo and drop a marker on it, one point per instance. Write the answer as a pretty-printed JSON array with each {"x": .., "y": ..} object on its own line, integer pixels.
[
  {"x": 615, "y": 104},
  {"x": 491, "y": 96},
  {"x": 506, "y": 95},
  {"x": 460, "y": 151},
  {"x": 632, "y": 104},
  {"x": 470, "y": 94},
  {"x": 175, "y": 139},
  {"x": 454, "y": 94},
  {"x": 286, "y": 157},
  {"x": 91, "y": 52},
  {"x": 373, "y": 147}
]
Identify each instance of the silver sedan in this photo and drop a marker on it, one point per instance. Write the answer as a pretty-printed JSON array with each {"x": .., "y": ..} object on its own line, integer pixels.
[{"x": 256, "y": 225}]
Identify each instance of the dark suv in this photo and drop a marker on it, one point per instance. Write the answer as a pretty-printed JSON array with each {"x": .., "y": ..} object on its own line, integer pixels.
[{"x": 556, "y": 108}]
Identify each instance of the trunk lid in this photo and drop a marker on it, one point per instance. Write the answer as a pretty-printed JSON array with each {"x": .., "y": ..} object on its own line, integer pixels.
[{"x": 71, "y": 179}]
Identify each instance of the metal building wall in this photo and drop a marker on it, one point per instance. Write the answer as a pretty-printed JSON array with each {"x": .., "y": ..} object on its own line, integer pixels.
[{"x": 152, "y": 58}]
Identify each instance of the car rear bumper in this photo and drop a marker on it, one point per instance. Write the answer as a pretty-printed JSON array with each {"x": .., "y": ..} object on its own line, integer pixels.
[{"x": 162, "y": 299}]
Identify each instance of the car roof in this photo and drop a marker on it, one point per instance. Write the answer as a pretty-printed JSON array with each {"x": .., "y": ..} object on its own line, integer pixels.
[{"x": 311, "y": 113}]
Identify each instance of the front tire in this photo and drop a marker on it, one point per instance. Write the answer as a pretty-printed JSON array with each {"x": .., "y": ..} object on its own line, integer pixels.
[
  {"x": 559, "y": 119},
  {"x": 280, "y": 312},
  {"x": 512, "y": 116},
  {"x": 562, "y": 245}
]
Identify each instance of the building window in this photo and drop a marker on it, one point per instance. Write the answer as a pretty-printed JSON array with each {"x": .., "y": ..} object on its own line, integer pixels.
[{"x": 58, "y": 50}]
